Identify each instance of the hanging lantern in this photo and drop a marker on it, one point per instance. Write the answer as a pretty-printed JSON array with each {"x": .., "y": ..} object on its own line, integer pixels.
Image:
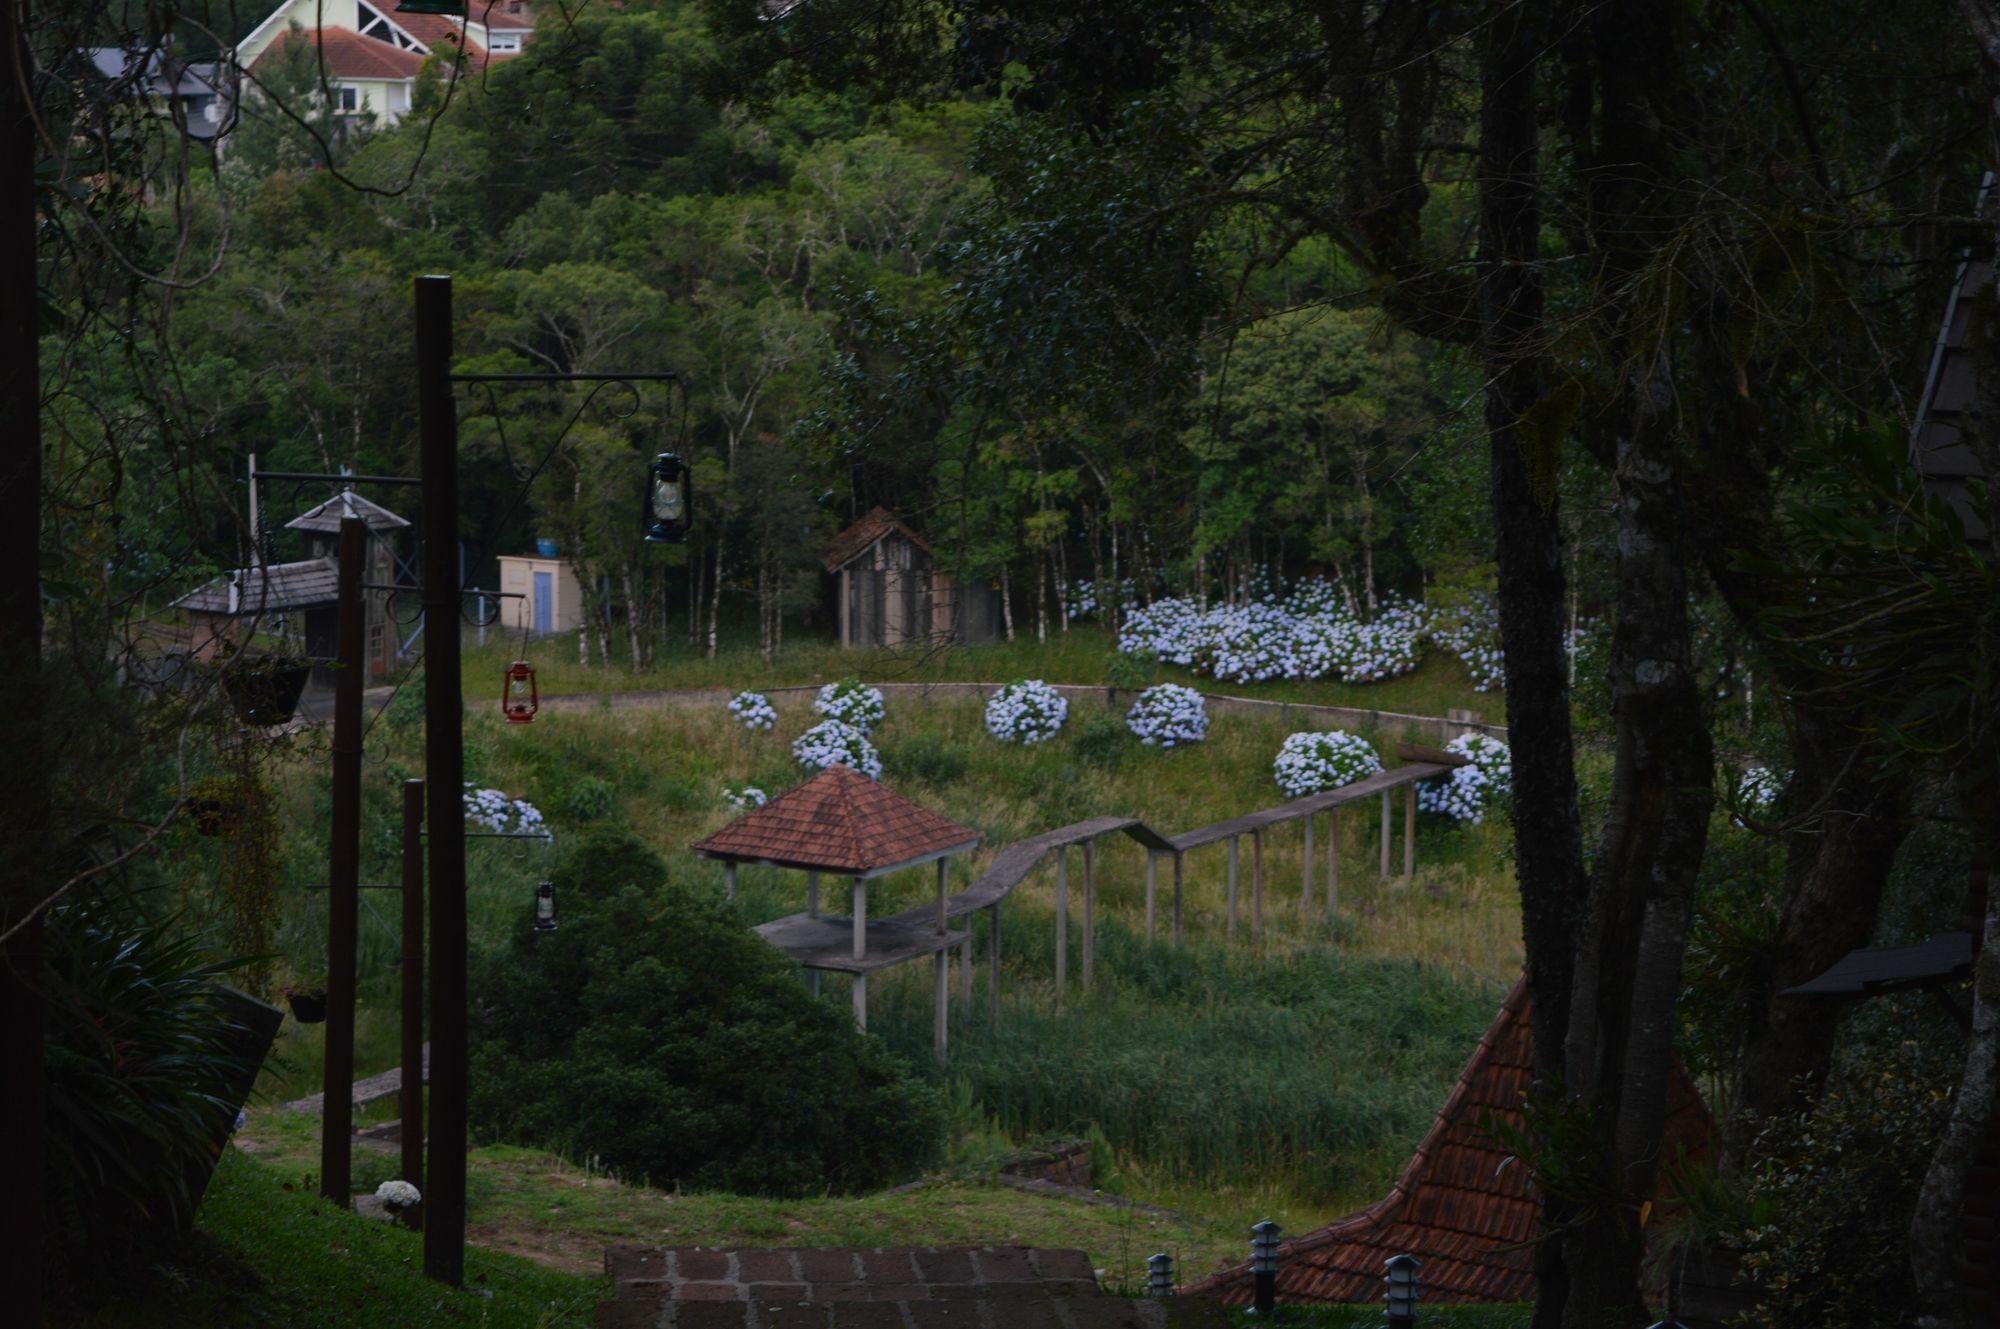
[
  {"x": 519, "y": 699},
  {"x": 668, "y": 498},
  {"x": 545, "y": 907}
]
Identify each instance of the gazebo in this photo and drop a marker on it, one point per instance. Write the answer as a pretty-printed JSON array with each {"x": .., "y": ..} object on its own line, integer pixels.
[{"x": 842, "y": 823}]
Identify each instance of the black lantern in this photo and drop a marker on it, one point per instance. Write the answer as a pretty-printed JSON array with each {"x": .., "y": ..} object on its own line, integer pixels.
[
  {"x": 545, "y": 907},
  {"x": 668, "y": 498}
]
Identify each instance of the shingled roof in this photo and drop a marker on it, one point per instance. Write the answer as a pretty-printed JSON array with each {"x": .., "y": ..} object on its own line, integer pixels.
[
  {"x": 850, "y": 543},
  {"x": 1938, "y": 446},
  {"x": 1460, "y": 1206},
  {"x": 325, "y": 518},
  {"x": 840, "y": 822},
  {"x": 268, "y": 589}
]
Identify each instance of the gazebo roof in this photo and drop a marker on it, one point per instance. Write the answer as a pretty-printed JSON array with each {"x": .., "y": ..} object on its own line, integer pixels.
[
  {"x": 324, "y": 518},
  {"x": 839, "y": 822}
]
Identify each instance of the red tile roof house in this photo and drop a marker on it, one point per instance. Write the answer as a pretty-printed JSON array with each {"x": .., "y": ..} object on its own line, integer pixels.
[
  {"x": 1462, "y": 1206},
  {"x": 372, "y": 53}
]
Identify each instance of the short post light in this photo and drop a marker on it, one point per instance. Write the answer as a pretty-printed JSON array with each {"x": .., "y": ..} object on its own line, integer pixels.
[
  {"x": 545, "y": 907},
  {"x": 1264, "y": 1266},
  {"x": 1160, "y": 1275},
  {"x": 1400, "y": 1298},
  {"x": 519, "y": 697},
  {"x": 668, "y": 498}
]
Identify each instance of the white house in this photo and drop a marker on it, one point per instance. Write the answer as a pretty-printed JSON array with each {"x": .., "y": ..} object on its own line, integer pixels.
[{"x": 371, "y": 53}]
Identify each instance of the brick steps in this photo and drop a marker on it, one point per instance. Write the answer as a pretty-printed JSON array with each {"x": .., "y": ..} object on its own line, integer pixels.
[{"x": 929, "y": 1287}]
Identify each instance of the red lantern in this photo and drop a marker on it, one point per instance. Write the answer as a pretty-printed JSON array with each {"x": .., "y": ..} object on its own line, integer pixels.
[{"x": 519, "y": 699}]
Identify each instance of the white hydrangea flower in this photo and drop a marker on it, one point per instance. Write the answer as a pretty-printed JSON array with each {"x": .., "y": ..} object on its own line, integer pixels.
[
  {"x": 1026, "y": 711},
  {"x": 1314, "y": 761},
  {"x": 1306, "y": 634},
  {"x": 398, "y": 1195},
  {"x": 745, "y": 796},
  {"x": 832, "y": 743},
  {"x": 491, "y": 810},
  {"x": 1168, "y": 715},
  {"x": 754, "y": 709},
  {"x": 852, "y": 703},
  {"x": 1469, "y": 791}
]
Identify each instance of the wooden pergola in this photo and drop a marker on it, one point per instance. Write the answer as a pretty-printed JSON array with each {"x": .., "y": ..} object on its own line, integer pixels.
[{"x": 843, "y": 823}]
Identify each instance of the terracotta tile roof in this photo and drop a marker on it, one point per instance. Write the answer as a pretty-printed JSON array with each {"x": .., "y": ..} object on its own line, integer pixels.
[
  {"x": 430, "y": 29},
  {"x": 840, "y": 822},
  {"x": 502, "y": 15},
  {"x": 351, "y": 55},
  {"x": 848, "y": 545},
  {"x": 1458, "y": 1206},
  {"x": 324, "y": 518}
]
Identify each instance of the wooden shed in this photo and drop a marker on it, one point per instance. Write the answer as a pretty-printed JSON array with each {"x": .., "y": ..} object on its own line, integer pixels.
[
  {"x": 890, "y": 592},
  {"x": 552, "y": 597}
]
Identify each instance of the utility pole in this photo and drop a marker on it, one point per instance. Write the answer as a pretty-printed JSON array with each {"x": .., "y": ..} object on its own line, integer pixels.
[{"x": 444, "y": 777}]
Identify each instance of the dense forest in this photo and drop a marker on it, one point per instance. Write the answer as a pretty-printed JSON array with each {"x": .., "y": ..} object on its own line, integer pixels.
[{"x": 1612, "y": 313}]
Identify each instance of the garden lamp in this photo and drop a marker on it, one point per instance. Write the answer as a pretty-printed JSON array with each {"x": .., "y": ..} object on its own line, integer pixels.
[
  {"x": 545, "y": 907},
  {"x": 1401, "y": 1297},
  {"x": 519, "y": 697},
  {"x": 665, "y": 515},
  {"x": 1264, "y": 1265},
  {"x": 1160, "y": 1275}
]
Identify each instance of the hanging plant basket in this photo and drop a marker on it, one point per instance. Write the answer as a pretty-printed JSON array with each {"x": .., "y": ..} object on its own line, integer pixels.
[
  {"x": 307, "y": 1007},
  {"x": 210, "y": 815},
  {"x": 266, "y": 692}
]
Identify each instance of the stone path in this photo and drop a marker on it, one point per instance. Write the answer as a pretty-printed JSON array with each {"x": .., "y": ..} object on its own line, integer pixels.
[{"x": 926, "y": 1287}]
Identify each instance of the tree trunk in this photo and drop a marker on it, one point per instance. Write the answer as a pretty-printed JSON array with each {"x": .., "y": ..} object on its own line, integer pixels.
[
  {"x": 631, "y": 616},
  {"x": 1007, "y": 601}
]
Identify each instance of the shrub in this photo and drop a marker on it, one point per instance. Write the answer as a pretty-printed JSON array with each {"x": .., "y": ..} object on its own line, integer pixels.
[
  {"x": 928, "y": 758},
  {"x": 491, "y": 810},
  {"x": 1026, "y": 711},
  {"x": 588, "y": 798},
  {"x": 831, "y": 743},
  {"x": 656, "y": 1034},
  {"x": 1168, "y": 715},
  {"x": 754, "y": 709},
  {"x": 852, "y": 703},
  {"x": 1314, "y": 761},
  {"x": 1101, "y": 740},
  {"x": 1468, "y": 791},
  {"x": 745, "y": 796}
]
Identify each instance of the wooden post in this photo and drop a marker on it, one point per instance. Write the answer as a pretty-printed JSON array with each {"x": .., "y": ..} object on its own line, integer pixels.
[
  {"x": 1152, "y": 894},
  {"x": 859, "y": 991},
  {"x": 411, "y": 1091},
  {"x": 1410, "y": 831},
  {"x": 1089, "y": 911},
  {"x": 993, "y": 964},
  {"x": 1062, "y": 922},
  {"x": 1388, "y": 814},
  {"x": 965, "y": 968},
  {"x": 941, "y": 1014},
  {"x": 729, "y": 882},
  {"x": 860, "y": 918},
  {"x": 812, "y": 894},
  {"x": 1233, "y": 856},
  {"x": 1332, "y": 860},
  {"x": 1306, "y": 875},
  {"x": 336, "y": 1145},
  {"x": 1178, "y": 856},
  {"x": 1257, "y": 883}
]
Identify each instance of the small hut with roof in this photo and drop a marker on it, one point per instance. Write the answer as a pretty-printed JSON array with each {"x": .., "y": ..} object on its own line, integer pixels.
[
  {"x": 889, "y": 590},
  {"x": 843, "y": 824}
]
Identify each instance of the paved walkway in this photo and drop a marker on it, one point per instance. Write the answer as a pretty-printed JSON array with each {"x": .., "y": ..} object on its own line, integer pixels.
[{"x": 926, "y": 1287}]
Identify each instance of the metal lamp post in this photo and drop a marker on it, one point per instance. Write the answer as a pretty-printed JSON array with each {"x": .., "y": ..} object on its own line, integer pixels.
[
  {"x": 1400, "y": 1276},
  {"x": 1264, "y": 1265}
]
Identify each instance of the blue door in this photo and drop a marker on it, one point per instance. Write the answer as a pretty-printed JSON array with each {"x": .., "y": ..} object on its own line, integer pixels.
[{"x": 545, "y": 602}]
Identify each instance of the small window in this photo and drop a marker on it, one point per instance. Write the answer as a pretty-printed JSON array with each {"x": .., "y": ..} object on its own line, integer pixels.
[
  {"x": 503, "y": 42},
  {"x": 349, "y": 98}
]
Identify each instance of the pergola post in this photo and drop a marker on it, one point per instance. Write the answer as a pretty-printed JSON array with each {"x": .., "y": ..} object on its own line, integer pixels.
[
  {"x": 1332, "y": 860},
  {"x": 1089, "y": 911},
  {"x": 812, "y": 892},
  {"x": 1410, "y": 830},
  {"x": 1178, "y": 856},
  {"x": 1152, "y": 894},
  {"x": 1306, "y": 873},
  {"x": 1062, "y": 922},
  {"x": 729, "y": 882},
  {"x": 1388, "y": 815},
  {"x": 1233, "y": 856},
  {"x": 1257, "y": 883}
]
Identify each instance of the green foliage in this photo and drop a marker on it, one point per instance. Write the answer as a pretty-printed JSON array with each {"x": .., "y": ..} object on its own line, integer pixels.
[
  {"x": 926, "y": 757},
  {"x": 138, "y": 1063},
  {"x": 1830, "y": 1200},
  {"x": 1102, "y": 741},
  {"x": 656, "y": 1035},
  {"x": 587, "y": 798}
]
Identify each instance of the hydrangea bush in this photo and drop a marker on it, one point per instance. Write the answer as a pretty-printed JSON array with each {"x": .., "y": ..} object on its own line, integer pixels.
[
  {"x": 1311, "y": 762},
  {"x": 1467, "y": 793},
  {"x": 754, "y": 710},
  {"x": 851, "y": 702},
  {"x": 1307, "y": 633},
  {"x": 1168, "y": 715},
  {"x": 491, "y": 810},
  {"x": 832, "y": 743},
  {"x": 1760, "y": 787},
  {"x": 1026, "y": 711},
  {"x": 745, "y": 796}
]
